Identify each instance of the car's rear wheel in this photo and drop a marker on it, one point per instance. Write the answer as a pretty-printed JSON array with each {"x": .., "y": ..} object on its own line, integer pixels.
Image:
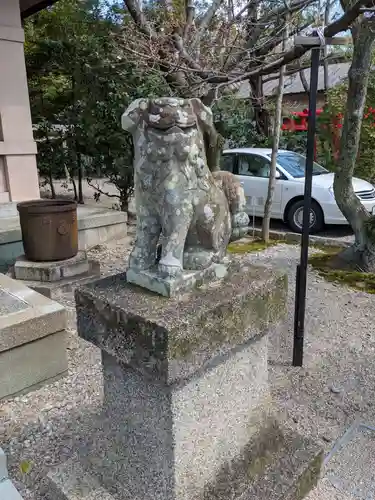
[{"x": 295, "y": 217}]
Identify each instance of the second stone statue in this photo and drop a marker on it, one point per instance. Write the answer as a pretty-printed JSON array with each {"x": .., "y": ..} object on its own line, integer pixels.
[{"x": 186, "y": 214}]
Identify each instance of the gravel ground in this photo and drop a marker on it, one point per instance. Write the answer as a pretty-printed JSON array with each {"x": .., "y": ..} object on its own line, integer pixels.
[{"x": 320, "y": 400}]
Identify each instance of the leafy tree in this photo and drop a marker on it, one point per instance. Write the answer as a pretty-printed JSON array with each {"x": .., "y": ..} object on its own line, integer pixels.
[
  {"x": 235, "y": 121},
  {"x": 330, "y": 128},
  {"x": 204, "y": 49},
  {"x": 79, "y": 87},
  {"x": 362, "y": 253}
]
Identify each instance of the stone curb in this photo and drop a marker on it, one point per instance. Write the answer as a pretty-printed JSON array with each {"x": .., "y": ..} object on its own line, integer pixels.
[
  {"x": 296, "y": 238},
  {"x": 7, "y": 489}
]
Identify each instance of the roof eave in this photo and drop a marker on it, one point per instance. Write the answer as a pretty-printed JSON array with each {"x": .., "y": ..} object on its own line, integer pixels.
[{"x": 42, "y": 4}]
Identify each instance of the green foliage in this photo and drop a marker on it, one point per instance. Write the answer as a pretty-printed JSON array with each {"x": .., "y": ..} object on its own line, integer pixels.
[
  {"x": 79, "y": 87},
  {"x": 234, "y": 120},
  {"x": 294, "y": 141},
  {"x": 329, "y": 127}
]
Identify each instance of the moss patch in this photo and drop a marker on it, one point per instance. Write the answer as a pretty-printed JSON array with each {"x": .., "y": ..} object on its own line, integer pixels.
[
  {"x": 249, "y": 245},
  {"x": 327, "y": 249},
  {"x": 332, "y": 268}
]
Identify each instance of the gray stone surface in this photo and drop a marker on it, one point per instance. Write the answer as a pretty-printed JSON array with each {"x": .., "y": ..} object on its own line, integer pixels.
[
  {"x": 51, "y": 271},
  {"x": 187, "y": 402},
  {"x": 337, "y": 241},
  {"x": 179, "y": 201},
  {"x": 32, "y": 338},
  {"x": 70, "y": 481},
  {"x": 10, "y": 303},
  {"x": 187, "y": 410},
  {"x": 3, "y": 466},
  {"x": 7, "y": 489},
  {"x": 65, "y": 284},
  {"x": 39, "y": 319},
  {"x": 29, "y": 365},
  {"x": 171, "y": 339},
  {"x": 276, "y": 464},
  {"x": 164, "y": 443},
  {"x": 351, "y": 468},
  {"x": 170, "y": 287}
]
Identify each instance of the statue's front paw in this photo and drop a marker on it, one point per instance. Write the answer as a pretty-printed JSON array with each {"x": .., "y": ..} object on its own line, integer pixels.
[
  {"x": 240, "y": 219},
  {"x": 141, "y": 259},
  {"x": 197, "y": 258},
  {"x": 169, "y": 267},
  {"x": 169, "y": 271},
  {"x": 240, "y": 225}
]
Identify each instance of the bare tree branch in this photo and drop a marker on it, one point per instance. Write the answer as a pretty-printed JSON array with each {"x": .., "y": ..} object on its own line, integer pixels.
[
  {"x": 304, "y": 82},
  {"x": 294, "y": 69},
  {"x": 244, "y": 9},
  {"x": 205, "y": 20},
  {"x": 179, "y": 43},
  {"x": 138, "y": 17},
  {"x": 342, "y": 24},
  {"x": 190, "y": 15},
  {"x": 327, "y": 12},
  {"x": 276, "y": 40}
]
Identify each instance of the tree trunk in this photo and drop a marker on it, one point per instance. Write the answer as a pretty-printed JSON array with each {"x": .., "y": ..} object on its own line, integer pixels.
[
  {"x": 74, "y": 188},
  {"x": 275, "y": 145},
  {"x": 325, "y": 53},
  {"x": 261, "y": 114},
  {"x": 80, "y": 178},
  {"x": 304, "y": 82},
  {"x": 124, "y": 202},
  {"x": 362, "y": 253},
  {"x": 50, "y": 179}
]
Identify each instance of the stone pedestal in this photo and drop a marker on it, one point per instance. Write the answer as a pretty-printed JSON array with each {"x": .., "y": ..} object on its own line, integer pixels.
[
  {"x": 32, "y": 338},
  {"x": 187, "y": 412},
  {"x": 43, "y": 277},
  {"x": 7, "y": 488}
]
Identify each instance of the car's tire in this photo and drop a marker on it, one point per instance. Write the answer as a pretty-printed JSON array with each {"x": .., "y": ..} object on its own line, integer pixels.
[{"x": 295, "y": 216}]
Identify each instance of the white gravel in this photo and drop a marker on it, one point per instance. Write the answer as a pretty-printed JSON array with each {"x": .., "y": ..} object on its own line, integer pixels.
[{"x": 335, "y": 386}]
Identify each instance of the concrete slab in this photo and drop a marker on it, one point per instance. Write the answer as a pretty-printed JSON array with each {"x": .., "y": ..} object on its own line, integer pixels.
[
  {"x": 326, "y": 491},
  {"x": 3, "y": 466},
  {"x": 95, "y": 226},
  {"x": 351, "y": 466},
  {"x": 32, "y": 338},
  {"x": 70, "y": 481},
  {"x": 25, "y": 269},
  {"x": 32, "y": 318},
  {"x": 65, "y": 284},
  {"x": 187, "y": 411},
  {"x": 10, "y": 303},
  {"x": 30, "y": 365},
  {"x": 7, "y": 489},
  {"x": 170, "y": 287}
]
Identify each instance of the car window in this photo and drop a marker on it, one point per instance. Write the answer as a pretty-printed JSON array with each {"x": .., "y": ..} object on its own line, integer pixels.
[
  {"x": 295, "y": 164},
  {"x": 253, "y": 166},
  {"x": 227, "y": 162}
]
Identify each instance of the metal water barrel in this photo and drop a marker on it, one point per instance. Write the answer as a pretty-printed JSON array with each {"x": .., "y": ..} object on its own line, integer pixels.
[{"x": 49, "y": 229}]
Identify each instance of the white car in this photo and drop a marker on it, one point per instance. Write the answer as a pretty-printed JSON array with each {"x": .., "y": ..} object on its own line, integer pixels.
[{"x": 252, "y": 167}]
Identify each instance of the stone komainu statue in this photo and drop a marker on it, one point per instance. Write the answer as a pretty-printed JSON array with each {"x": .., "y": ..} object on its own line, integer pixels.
[{"x": 179, "y": 201}]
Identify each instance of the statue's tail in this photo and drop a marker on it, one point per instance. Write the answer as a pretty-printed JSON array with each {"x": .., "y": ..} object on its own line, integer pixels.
[{"x": 236, "y": 201}]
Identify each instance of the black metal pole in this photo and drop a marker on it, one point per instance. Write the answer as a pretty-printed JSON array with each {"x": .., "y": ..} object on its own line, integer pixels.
[{"x": 300, "y": 297}]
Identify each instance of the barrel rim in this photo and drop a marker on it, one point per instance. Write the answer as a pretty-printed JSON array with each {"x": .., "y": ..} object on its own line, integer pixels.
[{"x": 46, "y": 206}]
